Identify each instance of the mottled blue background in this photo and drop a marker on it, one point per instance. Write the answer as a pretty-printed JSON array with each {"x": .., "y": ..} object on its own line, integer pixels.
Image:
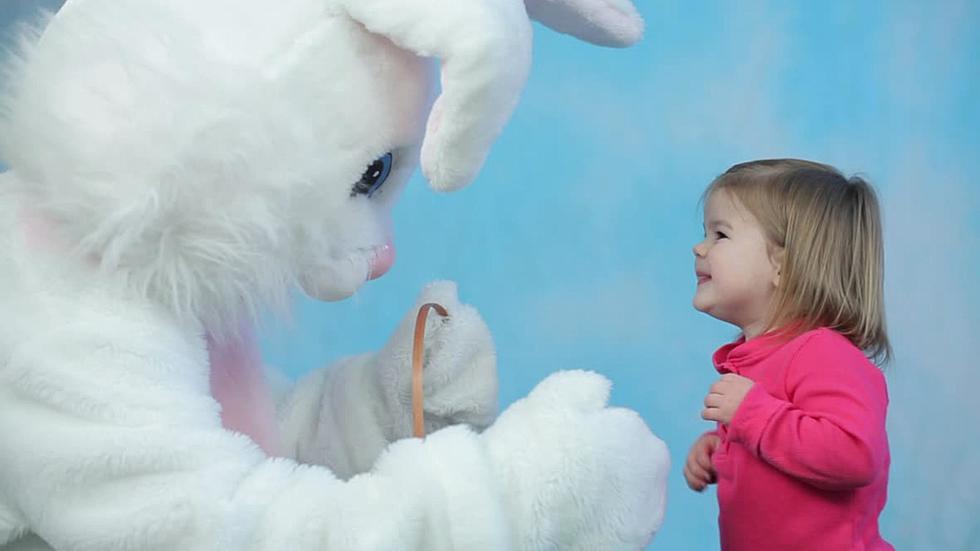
[{"x": 575, "y": 241}]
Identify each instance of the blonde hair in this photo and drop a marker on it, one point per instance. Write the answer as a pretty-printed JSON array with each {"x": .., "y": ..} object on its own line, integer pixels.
[{"x": 825, "y": 231}]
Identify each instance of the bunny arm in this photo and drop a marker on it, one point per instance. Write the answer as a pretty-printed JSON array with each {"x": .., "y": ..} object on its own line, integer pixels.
[
  {"x": 344, "y": 415},
  {"x": 119, "y": 446},
  {"x": 337, "y": 417}
]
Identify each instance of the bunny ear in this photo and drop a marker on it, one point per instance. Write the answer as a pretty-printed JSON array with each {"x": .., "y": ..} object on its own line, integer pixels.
[
  {"x": 602, "y": 22},
  {"x": 485, "y": 50}
]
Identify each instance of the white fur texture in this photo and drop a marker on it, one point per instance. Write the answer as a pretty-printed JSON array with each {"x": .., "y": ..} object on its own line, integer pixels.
[
  {"x": 112, "y": 442},
  {"x": 603, "y": 22},
  {"x": 206, "y": 150},
  {"x": 179, "y": 165},
  {"x": 209, "y": 158},
  {"x": 343, "y": 417}
]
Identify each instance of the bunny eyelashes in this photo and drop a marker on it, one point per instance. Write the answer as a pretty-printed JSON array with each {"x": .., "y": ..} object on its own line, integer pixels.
[{"x": 374, "y": 176}]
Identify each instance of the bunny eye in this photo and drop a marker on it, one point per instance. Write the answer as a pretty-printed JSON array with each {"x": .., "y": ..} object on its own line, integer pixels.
[{"x": 374, "y": 176}]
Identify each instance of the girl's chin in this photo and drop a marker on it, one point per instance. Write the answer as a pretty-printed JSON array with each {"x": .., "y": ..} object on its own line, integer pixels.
[{"x": 699, "y": 302}]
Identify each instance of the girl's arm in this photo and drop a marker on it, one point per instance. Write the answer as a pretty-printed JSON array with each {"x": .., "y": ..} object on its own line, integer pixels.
[{"x": 831, "y": 432}]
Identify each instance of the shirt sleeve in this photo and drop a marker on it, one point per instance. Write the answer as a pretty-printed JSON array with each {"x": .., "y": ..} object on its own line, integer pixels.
[{"x": 831, "y": 431}]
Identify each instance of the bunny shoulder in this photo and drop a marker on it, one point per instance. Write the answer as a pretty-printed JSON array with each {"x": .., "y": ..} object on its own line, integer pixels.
[{"x": 76, "y": 343}]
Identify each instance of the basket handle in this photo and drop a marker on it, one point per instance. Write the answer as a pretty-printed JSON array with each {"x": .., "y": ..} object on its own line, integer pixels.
[{"x": 418, "y": 349}]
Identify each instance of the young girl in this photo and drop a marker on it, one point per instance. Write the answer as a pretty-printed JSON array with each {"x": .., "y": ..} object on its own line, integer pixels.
[{"x": 792, "y": 255}]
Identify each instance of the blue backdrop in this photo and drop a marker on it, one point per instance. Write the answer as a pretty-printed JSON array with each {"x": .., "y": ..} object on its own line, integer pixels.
[{"x": 575, "y": 240}]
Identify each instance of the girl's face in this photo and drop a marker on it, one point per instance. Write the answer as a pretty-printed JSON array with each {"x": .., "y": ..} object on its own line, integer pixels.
[{"x": 736, "y": 273}]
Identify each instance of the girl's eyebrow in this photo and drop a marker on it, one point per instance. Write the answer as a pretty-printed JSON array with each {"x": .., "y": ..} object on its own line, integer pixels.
[{"x": 718, "y": 224}]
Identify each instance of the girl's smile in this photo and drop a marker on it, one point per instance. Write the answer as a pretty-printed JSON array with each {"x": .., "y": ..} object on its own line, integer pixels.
[{"x": 735, "y": 259}]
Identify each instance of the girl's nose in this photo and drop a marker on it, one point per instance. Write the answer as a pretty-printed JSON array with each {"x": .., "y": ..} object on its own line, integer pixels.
[{"x": 698, "y": 249}]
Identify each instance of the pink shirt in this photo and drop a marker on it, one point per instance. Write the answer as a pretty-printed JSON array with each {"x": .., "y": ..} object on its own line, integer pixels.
[{"x": 804, "y": 463}]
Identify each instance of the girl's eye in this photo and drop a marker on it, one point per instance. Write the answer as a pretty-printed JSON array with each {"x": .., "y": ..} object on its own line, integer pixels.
[
  {"x": 720, "y": 235},
  {"x": 374, "y": 176}
]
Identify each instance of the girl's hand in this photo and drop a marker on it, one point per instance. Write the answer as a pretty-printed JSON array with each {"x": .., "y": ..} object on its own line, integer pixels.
[
  {"x": 698, "y": 471},
  {"x": 724, "y": 397}
]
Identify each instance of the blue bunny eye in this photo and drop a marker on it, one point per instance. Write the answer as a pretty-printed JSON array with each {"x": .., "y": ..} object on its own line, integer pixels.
[{"x": 374, "y": 176}]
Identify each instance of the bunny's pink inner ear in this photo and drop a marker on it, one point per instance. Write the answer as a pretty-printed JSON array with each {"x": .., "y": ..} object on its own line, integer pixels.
[{"x": 602, "y": 22}]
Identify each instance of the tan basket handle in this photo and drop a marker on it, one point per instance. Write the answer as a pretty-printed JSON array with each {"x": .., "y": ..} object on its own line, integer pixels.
[{"x": 418, "y": 349}]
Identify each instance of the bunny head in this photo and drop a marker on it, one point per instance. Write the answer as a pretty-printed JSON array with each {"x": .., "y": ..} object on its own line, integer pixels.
[{"x": 212, "y": 153}]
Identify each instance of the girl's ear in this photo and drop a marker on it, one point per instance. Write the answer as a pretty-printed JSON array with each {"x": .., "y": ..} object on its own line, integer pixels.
[{"x": 776, "y": 257}]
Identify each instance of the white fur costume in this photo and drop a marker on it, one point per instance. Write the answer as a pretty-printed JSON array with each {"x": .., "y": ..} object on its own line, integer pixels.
[{"x": 178, "y": 165}]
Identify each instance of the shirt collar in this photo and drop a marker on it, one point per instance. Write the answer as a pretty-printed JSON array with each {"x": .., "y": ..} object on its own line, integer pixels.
[{"x": 740, "y": 354}]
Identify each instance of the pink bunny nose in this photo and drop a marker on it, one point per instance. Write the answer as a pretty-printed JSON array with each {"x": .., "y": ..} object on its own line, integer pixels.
[{"x": 384, "y": 257}]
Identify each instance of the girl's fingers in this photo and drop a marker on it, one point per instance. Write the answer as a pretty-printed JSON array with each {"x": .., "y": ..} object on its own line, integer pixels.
[
  {"x": 693, "y": 481},
  {"x": 711, "y": 414},
  {"x": 697, "y": 472},
  {"x": 713, "y": 399},
  {"x": 703, "y": 460}
]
